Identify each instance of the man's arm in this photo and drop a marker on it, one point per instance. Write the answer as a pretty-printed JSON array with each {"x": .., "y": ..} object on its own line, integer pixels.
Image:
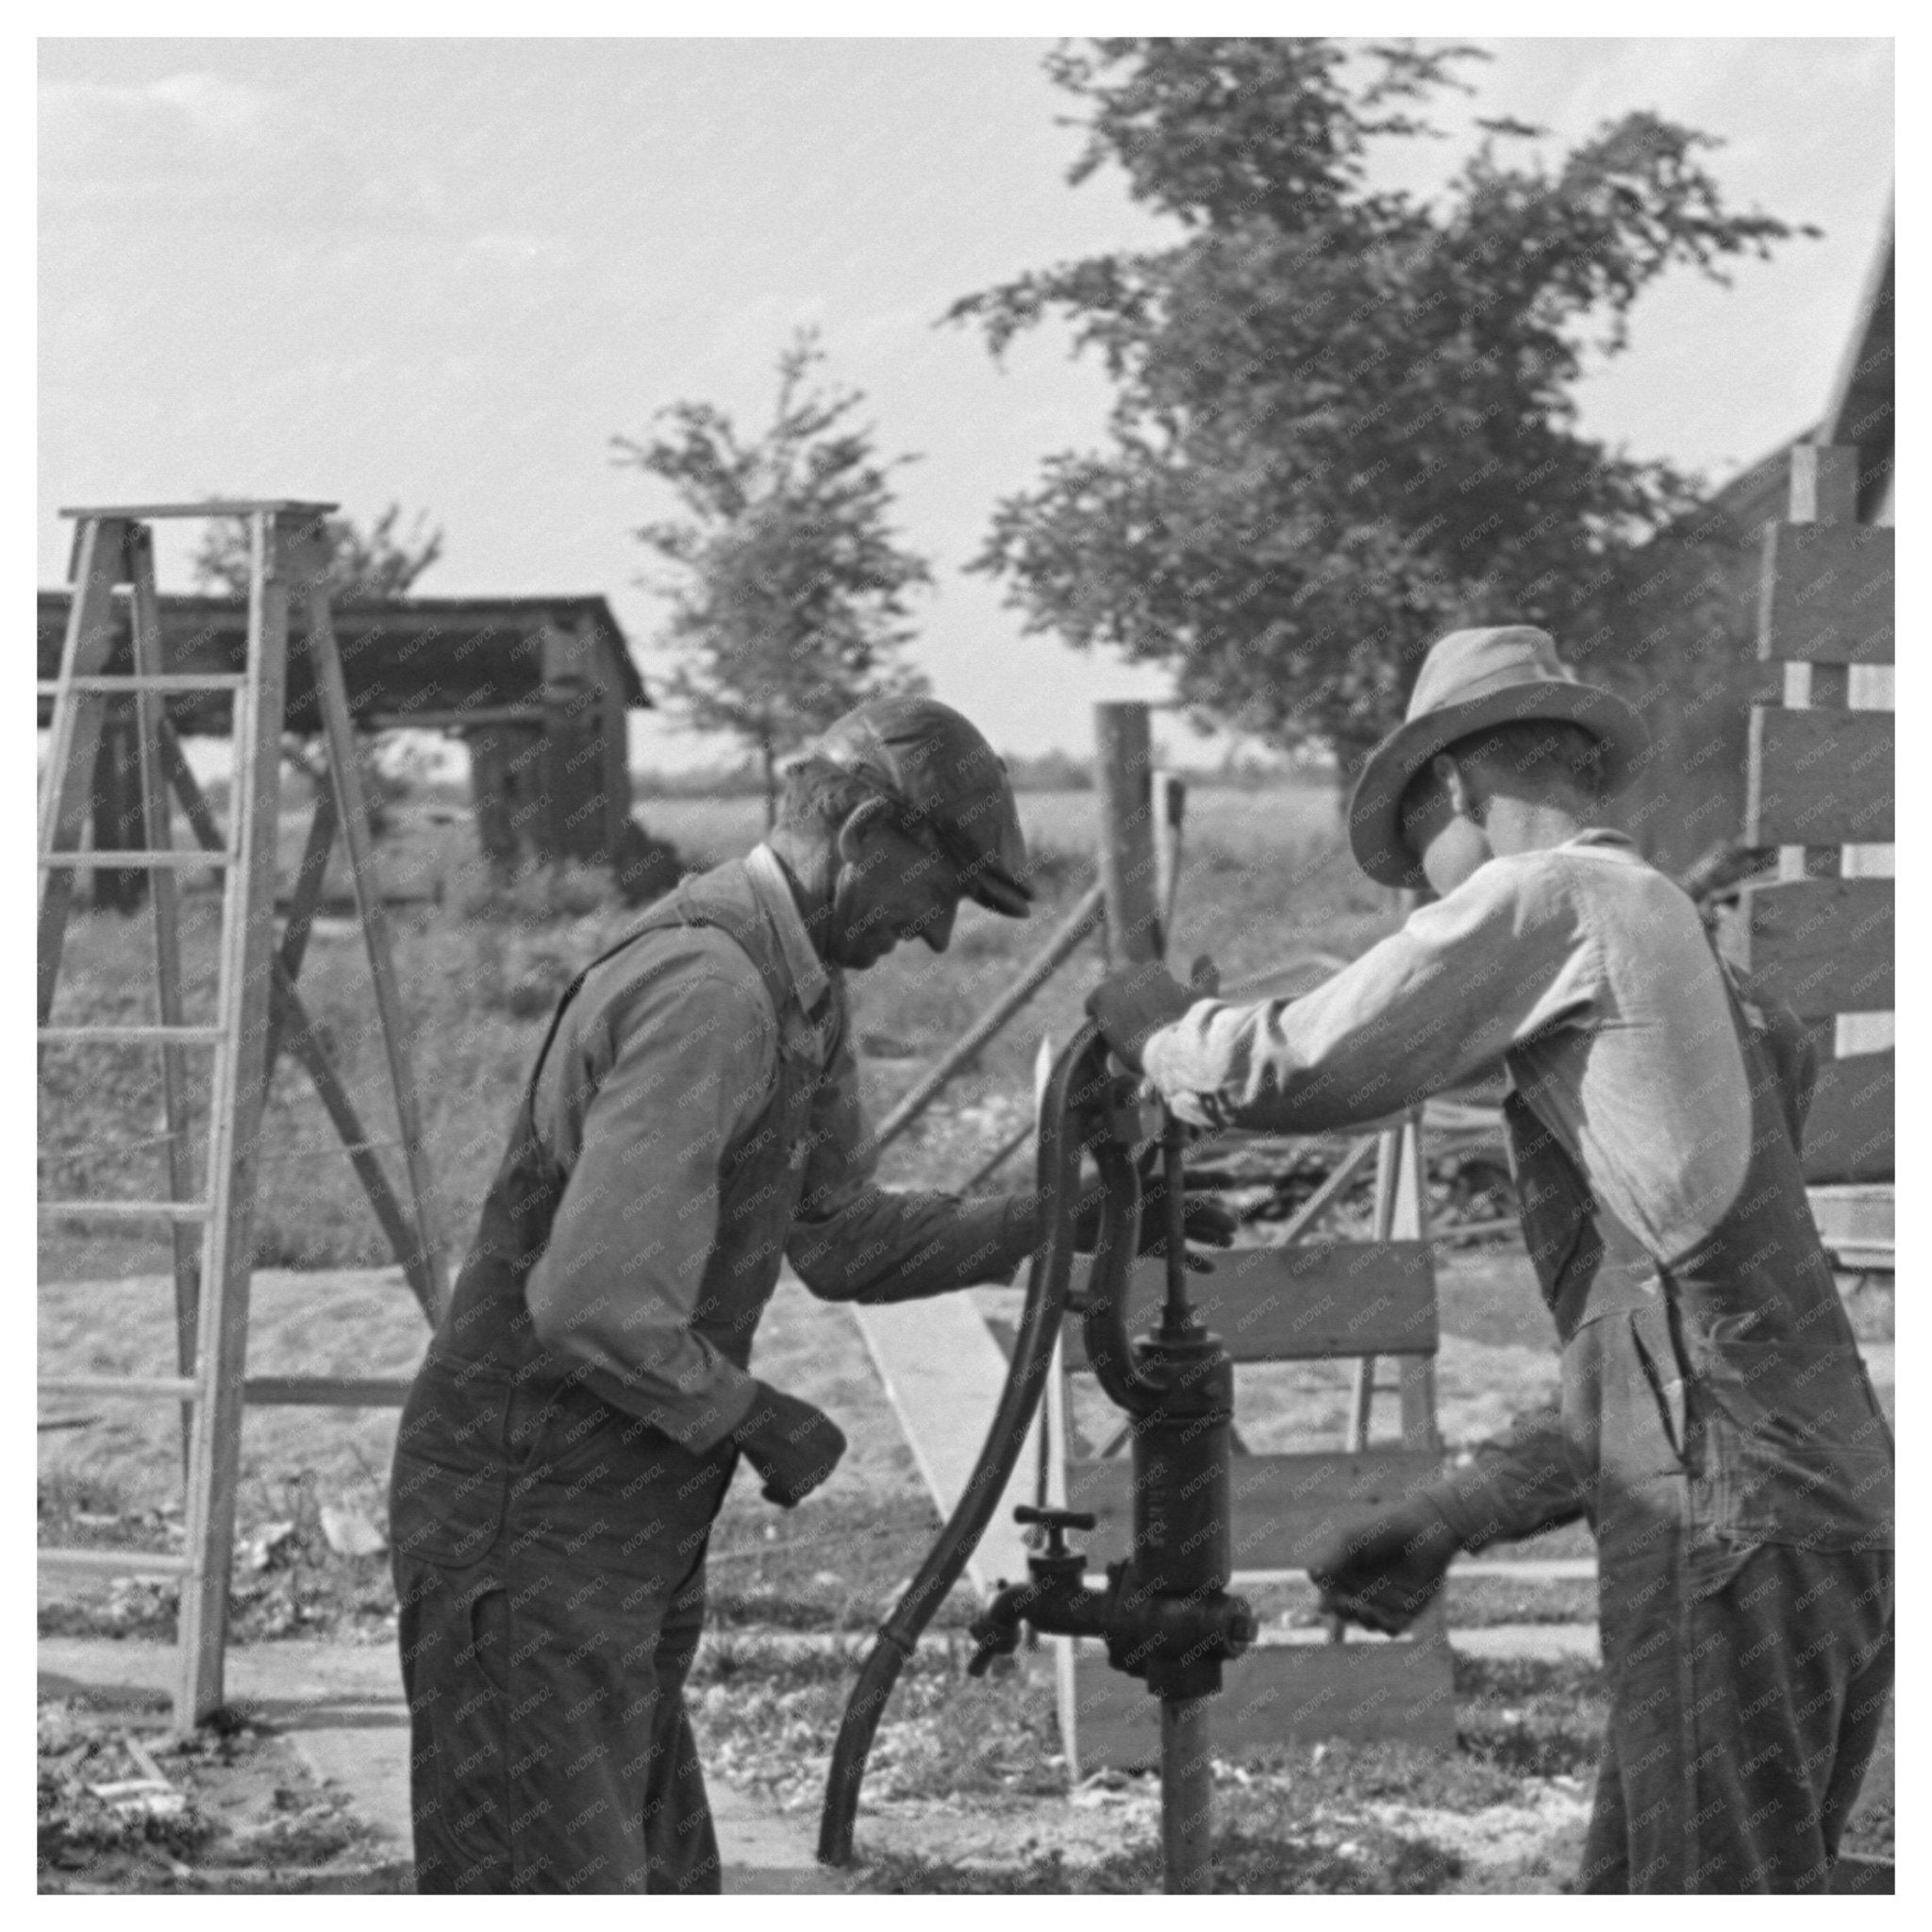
[
  {"x": 688, "y": 1059},
  {"x": 1383, "y": 1570},
  {"x": 856, "y": 1241},
  {"x": 1502, "y": 958},
  {"x": 1513, "y": 1487}
]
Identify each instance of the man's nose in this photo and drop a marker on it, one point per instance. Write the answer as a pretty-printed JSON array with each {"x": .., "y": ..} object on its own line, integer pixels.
[{"x": 938, "y": 929}]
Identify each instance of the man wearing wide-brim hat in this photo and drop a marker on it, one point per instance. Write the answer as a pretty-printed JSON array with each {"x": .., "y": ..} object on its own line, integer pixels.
[{"x": 1717, "y": 1426}]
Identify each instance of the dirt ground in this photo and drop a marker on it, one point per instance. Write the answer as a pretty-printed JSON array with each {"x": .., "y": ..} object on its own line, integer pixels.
[
  {"x": 124, "y": 1807},
  {"x": 966, "y": 1789}
]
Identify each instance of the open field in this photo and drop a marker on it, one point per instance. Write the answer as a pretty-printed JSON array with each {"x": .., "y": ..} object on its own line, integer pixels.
[{"x": 1263, "y": 877}]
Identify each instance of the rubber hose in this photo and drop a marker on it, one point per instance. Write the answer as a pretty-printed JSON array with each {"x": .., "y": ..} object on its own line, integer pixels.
[{"x": 1058, "y": 1175}]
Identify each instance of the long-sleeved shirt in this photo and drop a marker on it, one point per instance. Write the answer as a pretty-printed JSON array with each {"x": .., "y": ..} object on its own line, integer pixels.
[
  {"x": 638, "y": 1099},
  {"x": 1581, "y": 967}
]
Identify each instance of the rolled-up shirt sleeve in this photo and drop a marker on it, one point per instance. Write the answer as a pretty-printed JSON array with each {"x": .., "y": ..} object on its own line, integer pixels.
[
  {"x": 687, "y": 1060},
  {"x": 1499, "y": 960},
  {"x": 853, "y": 1240}
]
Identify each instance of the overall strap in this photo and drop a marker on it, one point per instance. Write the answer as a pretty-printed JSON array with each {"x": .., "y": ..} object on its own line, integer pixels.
[
  {"x": 1779, "y": 1056},
  {"x": 687, "y": 903}
]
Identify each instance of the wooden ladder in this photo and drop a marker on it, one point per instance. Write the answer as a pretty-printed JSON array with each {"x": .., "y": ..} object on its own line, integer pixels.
[{"x": 256, "y": 1010}]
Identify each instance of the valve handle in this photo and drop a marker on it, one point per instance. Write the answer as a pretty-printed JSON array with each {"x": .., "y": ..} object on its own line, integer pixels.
[{"x": 1055, "y": 1523}]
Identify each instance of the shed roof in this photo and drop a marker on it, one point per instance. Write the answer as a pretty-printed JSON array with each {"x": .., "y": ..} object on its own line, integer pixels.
[{"x": 426, "y": 654}]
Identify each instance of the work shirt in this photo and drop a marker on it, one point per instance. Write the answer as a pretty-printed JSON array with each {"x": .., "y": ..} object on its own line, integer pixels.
[
  {"x": 1582, "y": 968},
  {"x": 1663, "y": 1202},
  {"x": 667, "y": 1057}
]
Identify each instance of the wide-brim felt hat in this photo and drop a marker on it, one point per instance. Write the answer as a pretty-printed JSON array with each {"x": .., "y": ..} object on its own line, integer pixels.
[{"x": 1473, "y": 681}]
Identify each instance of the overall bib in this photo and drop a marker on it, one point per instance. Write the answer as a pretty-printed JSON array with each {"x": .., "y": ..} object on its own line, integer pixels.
[{"x": 1737, "y": 1468}]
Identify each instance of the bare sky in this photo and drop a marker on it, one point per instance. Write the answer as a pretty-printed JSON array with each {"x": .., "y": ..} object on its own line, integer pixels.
[{"x": 446, "y": 272}]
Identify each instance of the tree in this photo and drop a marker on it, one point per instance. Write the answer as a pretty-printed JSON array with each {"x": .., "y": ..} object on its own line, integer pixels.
[
  {"x": 1344, "y": 417},
  {"x": 375, "y": 566},
  {"x": 787, "y": 592}
]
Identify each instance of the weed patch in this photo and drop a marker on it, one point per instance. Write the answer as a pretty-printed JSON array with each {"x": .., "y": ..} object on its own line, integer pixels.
[
  {"x": 125, "y": 1808},
  {"x": 1369, "y": 1860}
]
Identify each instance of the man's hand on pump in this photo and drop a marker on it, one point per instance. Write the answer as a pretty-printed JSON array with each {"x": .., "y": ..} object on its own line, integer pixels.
[
  {"x": 1133, "y": 1004},
  {"x": 1130, "y": 1006},
  {"x": 1208, "y": 1223}
]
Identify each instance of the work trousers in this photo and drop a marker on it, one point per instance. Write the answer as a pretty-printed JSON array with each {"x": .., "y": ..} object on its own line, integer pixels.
[
  {"x": 550, "y": 1750},
  {"x": 1748, "y": 1687}
]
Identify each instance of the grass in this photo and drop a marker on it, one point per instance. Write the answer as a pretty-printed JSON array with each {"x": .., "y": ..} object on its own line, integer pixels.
[{"x": 1372, "y": 1860}]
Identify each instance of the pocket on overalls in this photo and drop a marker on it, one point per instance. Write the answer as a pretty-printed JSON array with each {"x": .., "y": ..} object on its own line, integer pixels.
[
  {"x": 1663, "y": 1375},
  {"x": 453, "y": 1466},
  {"x": 1794, "y": 1445}
]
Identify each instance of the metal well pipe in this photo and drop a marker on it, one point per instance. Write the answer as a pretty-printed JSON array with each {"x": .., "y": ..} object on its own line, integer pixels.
[{"x": 1187, "y": 1797}]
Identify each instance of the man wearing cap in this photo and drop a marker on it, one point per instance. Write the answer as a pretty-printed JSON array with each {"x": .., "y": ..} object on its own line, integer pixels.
[
  {"x": 692, "y": 1120},
  {"x": 1717, "y": 1424}
]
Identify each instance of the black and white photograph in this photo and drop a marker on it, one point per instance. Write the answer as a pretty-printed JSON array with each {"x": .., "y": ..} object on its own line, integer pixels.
[{"x": 964, "y": 958}]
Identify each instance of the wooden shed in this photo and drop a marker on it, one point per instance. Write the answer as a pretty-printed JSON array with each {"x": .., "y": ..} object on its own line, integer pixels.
[{"x": 540, "y": 687}]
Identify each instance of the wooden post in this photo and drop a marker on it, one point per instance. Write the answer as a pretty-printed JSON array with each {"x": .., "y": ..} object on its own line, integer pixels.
[
  {"x": 613, "y": 734},
  {"x": 491, "y": 795},
  {"x": 1171, "y": 803},
  {"x": 573, "y": 820},
  {"x": 1124, "y": 770},
  {"x": 1041, "y": 968}
]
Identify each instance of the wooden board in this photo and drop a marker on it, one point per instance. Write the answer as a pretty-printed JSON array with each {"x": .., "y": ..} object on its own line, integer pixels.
[
  {"x": 1301, "y": 1303},
  {"x": 943, "y": 1373},
  {"x": 1856, "y": 1224},
  {"x": 1822, "y": 946},
  {"x": 1284, "y": 1506},
  {"x": 1818, "y": 778},
  {"x": 1279, "y": 1694},
  {"x": 1826, "y": 593},
  {"x": 1848, "y": 1133}
]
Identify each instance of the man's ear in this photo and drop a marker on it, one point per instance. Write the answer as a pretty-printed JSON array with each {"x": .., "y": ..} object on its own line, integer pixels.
[
  {"x": 859, "y": 837},
  {"x": 1464, "y": 800}
]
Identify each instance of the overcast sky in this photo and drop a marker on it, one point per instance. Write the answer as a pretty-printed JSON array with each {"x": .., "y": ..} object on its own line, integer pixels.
[{"x": 446, "y": 272}]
